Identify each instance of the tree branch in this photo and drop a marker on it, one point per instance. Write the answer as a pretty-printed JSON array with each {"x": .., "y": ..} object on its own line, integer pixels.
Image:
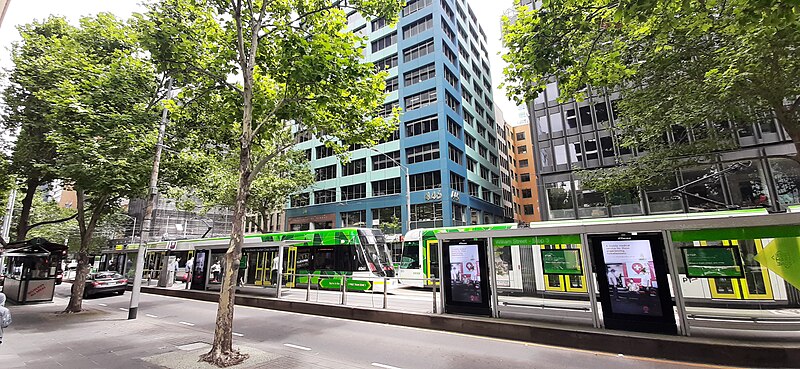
[
  {"x": 73, "y": 216},
  {"x": 270, "y": 115},
  {"x": 263, "y": 161}
]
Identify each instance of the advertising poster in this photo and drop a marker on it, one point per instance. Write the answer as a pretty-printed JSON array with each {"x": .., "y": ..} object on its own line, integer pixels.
[
  {"x": 465, "y": 275},
  {"x": 199, "y": 271},
  {"x": 40, "y": 290},
  {"x": 566, "y": 261},
  {"x": 712, "y": 262},
  {"x": 631, "y": 274}
]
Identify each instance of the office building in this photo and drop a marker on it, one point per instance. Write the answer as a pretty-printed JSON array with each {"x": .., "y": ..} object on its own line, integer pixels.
[
  {"x": 574, "y": 135},
  {"x": 439, "y": 76}
]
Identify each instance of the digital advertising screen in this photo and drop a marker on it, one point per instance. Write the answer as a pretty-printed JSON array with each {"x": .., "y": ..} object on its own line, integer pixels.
[
  {"x": 565, "y": 262},
  {"x": 631, "y": 274},
  {"x": 465, "y": 276},
  {"x": 712, "y": 262}
]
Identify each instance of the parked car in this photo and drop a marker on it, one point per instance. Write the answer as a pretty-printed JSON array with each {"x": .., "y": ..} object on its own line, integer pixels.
[{"x": 105, "y": 282}]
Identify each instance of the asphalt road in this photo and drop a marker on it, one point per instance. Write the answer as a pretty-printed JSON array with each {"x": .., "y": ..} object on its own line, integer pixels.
[{"x": 360, "y": 344}]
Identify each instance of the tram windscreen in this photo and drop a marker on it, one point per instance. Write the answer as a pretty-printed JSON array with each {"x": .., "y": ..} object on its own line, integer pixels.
[
  {"x": 378, "y": 259},
  {"x": 410, "y": 258}
]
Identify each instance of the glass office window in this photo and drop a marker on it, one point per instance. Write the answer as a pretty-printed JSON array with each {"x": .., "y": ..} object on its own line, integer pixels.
[{"x": 559, "y": 200}]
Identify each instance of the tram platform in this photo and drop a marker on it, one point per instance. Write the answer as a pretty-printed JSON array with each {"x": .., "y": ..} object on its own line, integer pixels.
[{"x": 738, "y": 350}]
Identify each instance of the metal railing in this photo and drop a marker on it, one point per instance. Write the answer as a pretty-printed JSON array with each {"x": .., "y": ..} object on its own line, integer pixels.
[{"x": 314, "y": 282}]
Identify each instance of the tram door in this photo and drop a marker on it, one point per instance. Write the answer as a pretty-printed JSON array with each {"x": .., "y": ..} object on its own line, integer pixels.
[
  {"x": 291, "y": 267},
  {"x": 260, "y": 263},
  {"x": 152, "y": 264},
  {"x": 755, "y": 285},
  {"x": 564, "y": 283},
  {"x": 432, "y": 256}
]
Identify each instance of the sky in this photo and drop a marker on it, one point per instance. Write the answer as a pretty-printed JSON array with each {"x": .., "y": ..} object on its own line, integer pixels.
[{"x": 25, "y": 11}]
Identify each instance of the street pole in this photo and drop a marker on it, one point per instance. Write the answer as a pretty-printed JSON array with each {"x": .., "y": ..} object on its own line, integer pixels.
[
  {"x": 408, "y": 187},
  {"x": 12, "y": 197},
  {"x": 148, "y": 213}
]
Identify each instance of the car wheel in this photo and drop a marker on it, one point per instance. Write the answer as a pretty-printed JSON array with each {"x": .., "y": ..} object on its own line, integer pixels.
[{"x": 121, "y": 292}]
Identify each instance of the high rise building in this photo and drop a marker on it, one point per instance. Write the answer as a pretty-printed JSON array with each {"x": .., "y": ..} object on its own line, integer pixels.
[
  {"x": 574, "y": 135},
  {"x": 445, "y": 149}
]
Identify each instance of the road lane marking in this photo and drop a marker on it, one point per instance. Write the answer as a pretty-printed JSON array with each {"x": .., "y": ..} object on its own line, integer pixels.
[
  {"x": 379, "y": 365},
  {"x": 297, "y": 347},
  {"x": 102, "y": 304},
  {"x": 238, "y": 334},
  {"x": 151, "y": 315},
  {"x": 186, "y": 323},
  {"x": 124, "y": 309}
]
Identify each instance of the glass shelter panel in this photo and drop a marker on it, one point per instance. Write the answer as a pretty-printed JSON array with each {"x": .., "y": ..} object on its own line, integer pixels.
[
  {"x": 541, "y": 278},
  {"x": 734, "y": 283}
]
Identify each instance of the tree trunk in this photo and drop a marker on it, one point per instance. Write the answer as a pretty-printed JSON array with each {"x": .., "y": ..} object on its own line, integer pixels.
[
  {"x": 75, "y": 304},
  {"x": 27, "y": 202},
  {"x": 222, "y": 353}
]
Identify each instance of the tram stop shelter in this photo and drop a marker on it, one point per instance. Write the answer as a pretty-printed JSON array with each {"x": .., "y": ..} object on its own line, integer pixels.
[
  {"x": 727, "y": 274},
  {"x": 33, "y": 268}
]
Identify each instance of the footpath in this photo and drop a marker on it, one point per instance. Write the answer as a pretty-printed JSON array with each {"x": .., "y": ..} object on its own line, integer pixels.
[{"x": 96, "y": 338}]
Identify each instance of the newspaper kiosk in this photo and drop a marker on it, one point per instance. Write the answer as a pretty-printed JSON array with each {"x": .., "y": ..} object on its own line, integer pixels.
[{"x": 33, "y": 268}]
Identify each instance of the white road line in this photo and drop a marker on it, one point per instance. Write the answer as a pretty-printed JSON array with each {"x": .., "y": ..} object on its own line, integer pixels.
[
  {"x": 102, "y": 304},
  {"x": 124, "y": 309},
  {"x": 297, "y": 347},
  {"x": 238, "y": 334},
  {"x": 186, "y": 323},
  {"x": 379, "y": 365},
  {"x": 151, "y": 315}
]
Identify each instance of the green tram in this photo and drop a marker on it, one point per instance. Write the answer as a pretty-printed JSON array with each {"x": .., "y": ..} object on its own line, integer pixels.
[
  {"x": 519, "y": 272},
  {"x": 359, "y": 255},
  {"x": 419, "y": 261}
]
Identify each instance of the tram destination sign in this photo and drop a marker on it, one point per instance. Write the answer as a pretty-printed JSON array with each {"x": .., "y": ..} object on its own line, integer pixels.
[
  {"x": 712, "y": 262},
  {"x": 562, "y": 261}
]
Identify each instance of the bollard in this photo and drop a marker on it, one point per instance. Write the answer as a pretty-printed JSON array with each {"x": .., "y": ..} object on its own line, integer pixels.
[
  {"x": 344, "y": 290},
  {"x": 279, "y": 280},
  {"x": 434, "y": 295},
  {"x": 308, "y": 288},
  {"x": 385, "y": 289}
]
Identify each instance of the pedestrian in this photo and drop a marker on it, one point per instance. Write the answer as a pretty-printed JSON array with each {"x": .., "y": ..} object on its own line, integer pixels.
[
  {"x": 5, "y": 315},
  {"x": 215, "y": 271},
  {"x": 189, "y": 265}
]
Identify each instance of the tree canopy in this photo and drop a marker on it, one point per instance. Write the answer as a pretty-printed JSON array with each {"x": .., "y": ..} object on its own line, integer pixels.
[
  {"x": 251, "y": 74},
  {"x": 700, "y": 70},
  {"x": 88, "y": 98}
]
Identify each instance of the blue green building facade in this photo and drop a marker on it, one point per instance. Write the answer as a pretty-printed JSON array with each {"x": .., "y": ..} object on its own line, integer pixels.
[{"x": 448, "y": 139}]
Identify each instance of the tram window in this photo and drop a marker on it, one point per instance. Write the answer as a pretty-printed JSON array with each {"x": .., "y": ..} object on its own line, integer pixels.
[
  {"x": 303, "y": 258},
  {"x": 323, "y": 259},
  {"x": 343, "y": 258}
]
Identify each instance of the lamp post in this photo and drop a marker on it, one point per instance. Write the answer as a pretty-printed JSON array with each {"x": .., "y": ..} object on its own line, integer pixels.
[
  {"x": 408, "y": 188},
  {"x": 133, "y": 231}
]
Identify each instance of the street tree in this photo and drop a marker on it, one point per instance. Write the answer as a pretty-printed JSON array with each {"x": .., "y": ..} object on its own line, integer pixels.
[
  {"x": 102, "y": 111},
  {"x": 268, "y": 68},
  {"x": 696, "y": 70},
  {"x": 25, "y": 116}
]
